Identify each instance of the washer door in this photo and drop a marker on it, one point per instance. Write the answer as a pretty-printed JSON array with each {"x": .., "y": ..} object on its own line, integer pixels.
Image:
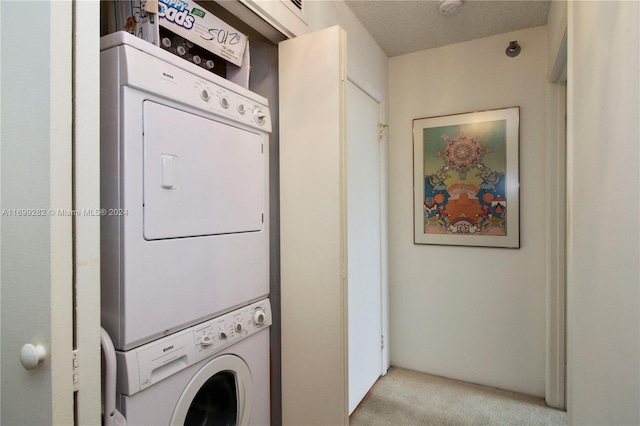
[{"x": 218, "y": 394}]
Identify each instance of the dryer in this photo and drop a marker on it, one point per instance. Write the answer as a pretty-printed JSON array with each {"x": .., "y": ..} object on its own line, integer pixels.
[
  {"x": 212, "y": 373},
  {"x": 184, "y": 193}
]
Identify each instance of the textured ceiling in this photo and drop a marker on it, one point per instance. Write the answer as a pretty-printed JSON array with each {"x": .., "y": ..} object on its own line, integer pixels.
[{"x": 405, "y": 26}]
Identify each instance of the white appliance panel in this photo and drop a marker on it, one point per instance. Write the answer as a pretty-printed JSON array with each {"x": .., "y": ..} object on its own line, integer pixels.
[
  {"x": 149, "y": 364},
  {"x": 201, "y": 177},
  {"x": 169, "y": 284},
  {"x": 155, "y": 287},
  {"x": 156, "y": 404}
]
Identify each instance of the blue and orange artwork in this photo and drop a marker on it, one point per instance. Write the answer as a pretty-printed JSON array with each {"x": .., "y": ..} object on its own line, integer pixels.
[{"x": 464, "y": 179}]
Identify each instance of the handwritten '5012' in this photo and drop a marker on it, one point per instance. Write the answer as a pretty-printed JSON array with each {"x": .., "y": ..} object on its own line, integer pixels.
[{"x": 222, "y": 36}]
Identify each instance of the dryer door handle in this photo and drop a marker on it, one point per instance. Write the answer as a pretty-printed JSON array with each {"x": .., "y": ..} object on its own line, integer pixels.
[{"x": 169, "y": 171}]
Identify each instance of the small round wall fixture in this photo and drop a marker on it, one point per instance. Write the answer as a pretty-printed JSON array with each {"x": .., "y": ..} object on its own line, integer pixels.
[
  {"x": 449, "y": 7},
  {"x": 513, "y": 49}
]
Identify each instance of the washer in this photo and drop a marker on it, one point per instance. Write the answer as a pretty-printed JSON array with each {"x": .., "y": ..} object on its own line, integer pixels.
[
  {"x": 184, "y": 193},
  {"x": 216, "y": 372}
]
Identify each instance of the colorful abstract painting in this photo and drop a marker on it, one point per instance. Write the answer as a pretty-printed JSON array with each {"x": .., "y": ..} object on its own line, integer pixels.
[{"x": 467, "y": 176}]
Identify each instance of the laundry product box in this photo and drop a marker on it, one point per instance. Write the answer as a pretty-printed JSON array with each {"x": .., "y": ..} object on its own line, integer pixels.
[
  {"x": 197, "y": 25},
  {"x": 191, "y": 52},
  {"x": 187, "y": 30}
]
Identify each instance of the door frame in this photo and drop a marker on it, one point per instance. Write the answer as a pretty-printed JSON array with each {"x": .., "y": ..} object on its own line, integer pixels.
[
  {"x": 86, "y": 198},
  {"x": 555, "y": 356}
]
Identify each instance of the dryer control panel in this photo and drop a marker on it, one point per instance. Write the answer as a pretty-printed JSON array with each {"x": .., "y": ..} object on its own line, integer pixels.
[
  {"x": 154, "y": 75},
  {"x": 146, "y": 365}
]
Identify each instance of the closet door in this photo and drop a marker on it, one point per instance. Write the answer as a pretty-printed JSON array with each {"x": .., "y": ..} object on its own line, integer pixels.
[
  {"x": 364, "y": 243},
  {"x": 313, "y": 237}
]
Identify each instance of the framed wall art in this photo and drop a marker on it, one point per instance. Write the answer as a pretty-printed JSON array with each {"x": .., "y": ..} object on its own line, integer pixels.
[{"x": 466, "y": 184}]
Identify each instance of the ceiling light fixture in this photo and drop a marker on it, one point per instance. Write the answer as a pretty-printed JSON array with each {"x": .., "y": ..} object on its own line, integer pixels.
[
  {"x": 449, "y": 7},
  {"x": 513, "y": 49}
]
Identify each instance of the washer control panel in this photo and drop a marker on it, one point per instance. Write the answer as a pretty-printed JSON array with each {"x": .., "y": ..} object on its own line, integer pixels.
[
  {"x": 218, "y": 333},
  {"x": 146, "y": 365}
]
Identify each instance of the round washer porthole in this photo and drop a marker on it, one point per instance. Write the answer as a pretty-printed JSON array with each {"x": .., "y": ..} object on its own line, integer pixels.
[{"x": 218, "y": 394}]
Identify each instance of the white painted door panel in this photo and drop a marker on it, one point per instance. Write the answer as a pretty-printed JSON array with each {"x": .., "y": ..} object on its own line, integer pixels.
[
  {"x": 330, "y": 232},
  {"x": 364, "y": 236},
  {"x": 36, "y": 192},
  {"x": 312, "y": 228}
]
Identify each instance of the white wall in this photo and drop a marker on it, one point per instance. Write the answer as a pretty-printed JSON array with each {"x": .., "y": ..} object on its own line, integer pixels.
[
  {"x": 603, "y": 383},
  {"x": 556, "y": 27},
  {"x": 365, "y": 58},
  {"x": 475, "y": 314},
  {"x": 364, "y": 54}
]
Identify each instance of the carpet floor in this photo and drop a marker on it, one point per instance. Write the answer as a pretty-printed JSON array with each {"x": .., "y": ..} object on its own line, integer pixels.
[{"x": 409, "y": 398}]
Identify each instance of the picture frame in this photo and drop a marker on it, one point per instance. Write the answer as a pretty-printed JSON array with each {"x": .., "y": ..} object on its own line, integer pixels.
[{"x": 466, "y": 179}]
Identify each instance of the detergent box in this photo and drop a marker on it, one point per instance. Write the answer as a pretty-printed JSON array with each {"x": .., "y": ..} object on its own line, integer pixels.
[{"x": 194, "y": 23}]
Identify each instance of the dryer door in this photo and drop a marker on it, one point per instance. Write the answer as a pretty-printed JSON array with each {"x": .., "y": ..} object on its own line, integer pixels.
[
  {"x": 218, "y": 394},
  {"x": 201, "y": 177}
]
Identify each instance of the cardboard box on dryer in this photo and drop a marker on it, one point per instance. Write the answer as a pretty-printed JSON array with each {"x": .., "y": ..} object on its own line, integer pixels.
[{"x": 194, "y": 23}]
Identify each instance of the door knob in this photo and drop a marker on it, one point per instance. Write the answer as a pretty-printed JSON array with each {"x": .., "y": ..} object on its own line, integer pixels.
[{"x": 31, "y": 355}]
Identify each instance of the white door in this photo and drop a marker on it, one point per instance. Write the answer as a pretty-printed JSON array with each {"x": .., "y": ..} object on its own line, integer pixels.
[
  {"x": 39, "y": 204},
  {"x": 330, "y": 232},
  {"x": 212, "y": 185},
  {"x": 364, "y": 238},
  {"x": 36, "y": 249},
  {"x": 313, "y": 235}
]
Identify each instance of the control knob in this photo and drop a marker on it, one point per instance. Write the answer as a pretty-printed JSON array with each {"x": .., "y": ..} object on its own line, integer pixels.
[
  {"x": 259, "y": 116},
  {"x": 238, "y": 327},
  {"x": 259, "y": 317},
  {"x": 206, "y": 340},
  {"x": 224, "y": 101},
  {"x": 223, "y": 335}
]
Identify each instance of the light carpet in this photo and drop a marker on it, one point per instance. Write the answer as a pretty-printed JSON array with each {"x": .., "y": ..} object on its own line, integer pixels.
[{"x": 408, "y": 398}]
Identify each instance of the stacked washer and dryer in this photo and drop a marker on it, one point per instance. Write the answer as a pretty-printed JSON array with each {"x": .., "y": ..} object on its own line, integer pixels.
[{"x": 185, "y": 238}]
